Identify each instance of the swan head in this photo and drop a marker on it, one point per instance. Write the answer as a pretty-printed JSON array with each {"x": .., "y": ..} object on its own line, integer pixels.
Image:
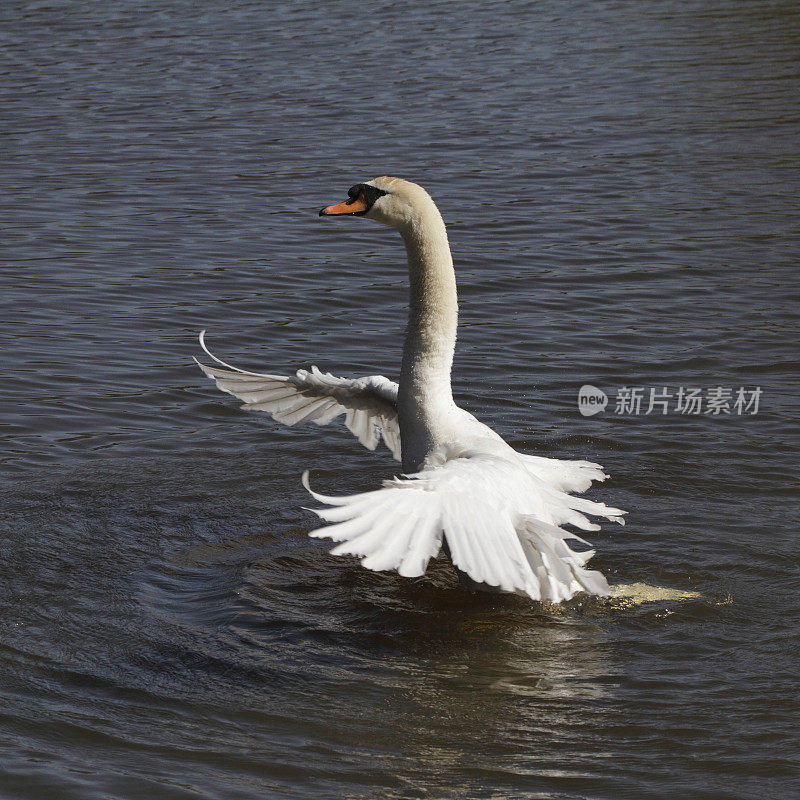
[{"x": 392, "y": 201}]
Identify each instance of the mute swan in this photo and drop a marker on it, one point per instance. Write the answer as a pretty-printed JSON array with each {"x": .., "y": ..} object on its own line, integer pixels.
[{"x": 498, "y": 513}]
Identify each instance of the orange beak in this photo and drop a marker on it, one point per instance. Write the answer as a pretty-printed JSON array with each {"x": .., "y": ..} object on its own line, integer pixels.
[{"x": 356, "y": 206}]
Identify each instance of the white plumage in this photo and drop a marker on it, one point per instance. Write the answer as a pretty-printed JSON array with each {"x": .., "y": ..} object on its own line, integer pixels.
[
  {"x": 498, "y": 511},
  {"x": 369, "y": 404}
]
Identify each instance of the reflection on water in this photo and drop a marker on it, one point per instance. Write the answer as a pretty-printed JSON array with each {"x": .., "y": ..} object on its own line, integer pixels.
[
  {"x": 435, "y": 661},
  {"x": 448, "y": 678}
]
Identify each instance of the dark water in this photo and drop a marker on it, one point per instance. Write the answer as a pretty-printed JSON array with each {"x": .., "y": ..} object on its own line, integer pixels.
[{"x": 620, "y": 181}]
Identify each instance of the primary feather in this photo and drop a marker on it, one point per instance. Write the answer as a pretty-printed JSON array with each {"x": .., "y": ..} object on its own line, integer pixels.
[{"x": 369, "y": 404}]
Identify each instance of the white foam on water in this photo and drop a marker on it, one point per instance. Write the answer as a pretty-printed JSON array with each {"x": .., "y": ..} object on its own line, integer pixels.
[{"x": 634, "y": 594}]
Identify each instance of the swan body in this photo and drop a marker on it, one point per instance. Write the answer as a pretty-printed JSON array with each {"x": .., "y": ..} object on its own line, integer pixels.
[{"x": 498, "y": 513}]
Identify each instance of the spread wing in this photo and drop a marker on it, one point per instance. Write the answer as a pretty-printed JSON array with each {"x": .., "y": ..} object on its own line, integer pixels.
[
  {"x": 502, "y": 530},
  {"x": 369, "y": 404}
]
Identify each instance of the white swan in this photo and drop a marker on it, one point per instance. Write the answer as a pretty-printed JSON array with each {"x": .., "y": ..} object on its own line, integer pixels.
[{"x": 500, "y": 511}]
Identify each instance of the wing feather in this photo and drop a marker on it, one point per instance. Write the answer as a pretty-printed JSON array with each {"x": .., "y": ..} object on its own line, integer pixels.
[
  {"x": 369, "y": 404},
  {"x": 482, "y": 505},
  {"x": 424, "y": 544}
]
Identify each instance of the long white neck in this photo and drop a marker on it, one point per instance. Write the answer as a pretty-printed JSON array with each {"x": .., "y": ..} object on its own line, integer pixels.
[{"x": 425, "y": 400}]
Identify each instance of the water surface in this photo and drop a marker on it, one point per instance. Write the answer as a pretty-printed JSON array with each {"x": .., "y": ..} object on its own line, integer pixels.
[{"x": 620, "y": 183}]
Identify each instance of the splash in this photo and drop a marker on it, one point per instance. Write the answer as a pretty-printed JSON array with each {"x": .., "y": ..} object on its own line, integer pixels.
[{"x": 627, "y": 595}]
